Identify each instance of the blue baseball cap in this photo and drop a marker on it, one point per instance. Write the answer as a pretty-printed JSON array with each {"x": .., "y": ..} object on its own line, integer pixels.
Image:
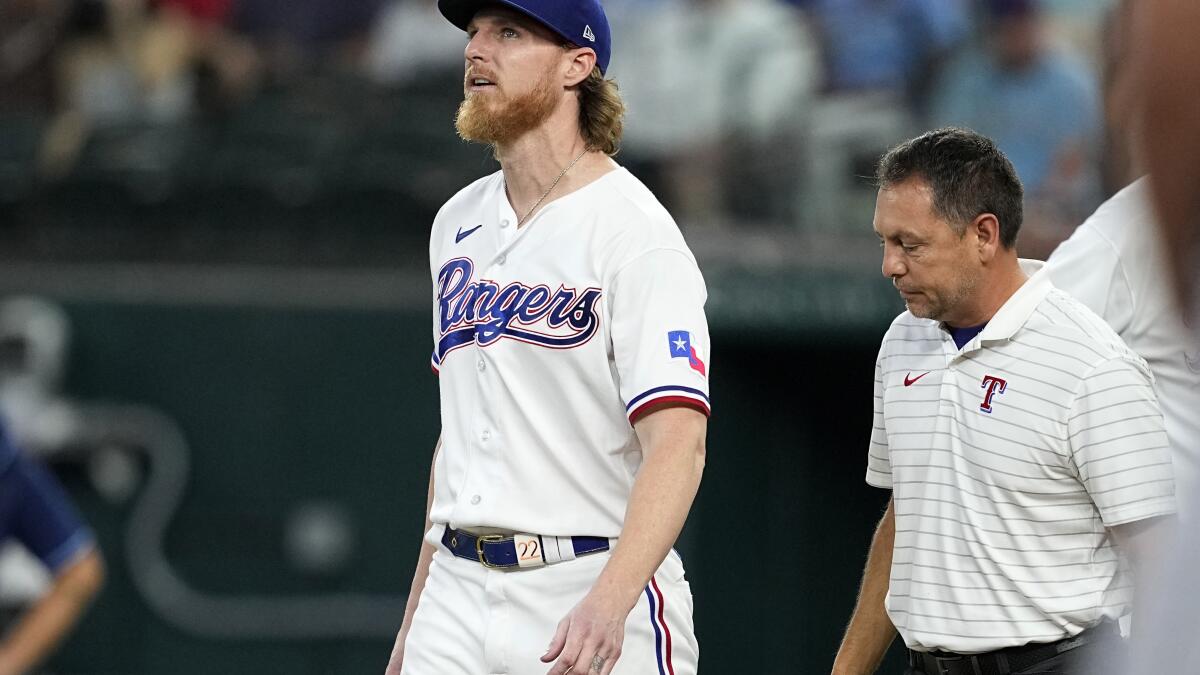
[{"x": 580, "y": 22}]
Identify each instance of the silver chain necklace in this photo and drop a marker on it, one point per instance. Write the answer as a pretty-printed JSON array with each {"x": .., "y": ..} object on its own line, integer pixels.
[{"x": 551, "y": 188}]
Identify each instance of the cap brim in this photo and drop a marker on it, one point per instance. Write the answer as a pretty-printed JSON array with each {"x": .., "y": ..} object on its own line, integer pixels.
[{"x": 460, "y": 13}]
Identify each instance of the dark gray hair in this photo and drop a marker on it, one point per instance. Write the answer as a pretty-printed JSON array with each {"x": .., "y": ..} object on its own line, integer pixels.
[{"x": 968, "y": 174}]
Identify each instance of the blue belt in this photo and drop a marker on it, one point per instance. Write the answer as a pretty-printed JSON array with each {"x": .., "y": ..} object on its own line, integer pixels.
[{"x": 493, "y": 550}]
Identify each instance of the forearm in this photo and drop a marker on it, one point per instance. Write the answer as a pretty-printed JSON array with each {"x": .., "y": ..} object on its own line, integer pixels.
[
  {"x": 871, "y": 632},
  {"x": 45, "y": 625},
  {"x": 662, "y": 495}
]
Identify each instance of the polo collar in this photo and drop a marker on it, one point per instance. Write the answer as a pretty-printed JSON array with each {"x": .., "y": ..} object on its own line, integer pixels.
[{"x": 1015, "y": 311}]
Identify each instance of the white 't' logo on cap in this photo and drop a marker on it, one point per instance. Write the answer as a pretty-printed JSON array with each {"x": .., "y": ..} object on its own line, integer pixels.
[{"x": 588, "y": 34}]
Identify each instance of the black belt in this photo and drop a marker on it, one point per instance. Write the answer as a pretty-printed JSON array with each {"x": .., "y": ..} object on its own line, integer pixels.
[
  {"x": 493, "y": 550},
  {"x": 1005, "y": 661}
]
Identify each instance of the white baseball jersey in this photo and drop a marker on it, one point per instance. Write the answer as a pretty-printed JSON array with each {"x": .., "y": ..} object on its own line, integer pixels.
[
  {"x": 550, "y": 341},
  {"x": 1114, "y": 263},
  {"x": 1008, "y": 459}
]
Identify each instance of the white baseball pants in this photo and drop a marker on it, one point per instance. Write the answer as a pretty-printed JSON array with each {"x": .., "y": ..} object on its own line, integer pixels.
[{"x": 472, "y": 620}]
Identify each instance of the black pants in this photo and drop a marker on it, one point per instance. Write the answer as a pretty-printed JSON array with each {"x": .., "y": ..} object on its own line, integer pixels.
[{"x": 1103, "y": 657}]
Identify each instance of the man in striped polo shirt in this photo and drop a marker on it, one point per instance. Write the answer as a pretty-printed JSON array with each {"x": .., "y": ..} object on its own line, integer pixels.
[{"x": 1020, "y": 437}]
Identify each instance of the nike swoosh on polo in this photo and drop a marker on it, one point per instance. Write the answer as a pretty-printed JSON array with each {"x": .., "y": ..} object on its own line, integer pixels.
[
  {"x": 463, "y": 235},
  {"x": 908, "y": 380}
]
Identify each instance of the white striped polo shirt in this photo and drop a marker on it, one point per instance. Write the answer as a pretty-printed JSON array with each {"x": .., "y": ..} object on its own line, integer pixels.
[{"x": 1007, "y": 460}]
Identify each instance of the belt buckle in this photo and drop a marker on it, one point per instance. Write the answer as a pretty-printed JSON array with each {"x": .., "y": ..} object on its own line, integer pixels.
[
  {"x": 948, "y": 665},
  {"x": 487, "y": 539}
]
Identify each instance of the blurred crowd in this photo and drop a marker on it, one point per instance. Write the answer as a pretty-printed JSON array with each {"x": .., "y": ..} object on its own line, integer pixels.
[{"x": 741, "y": 112}]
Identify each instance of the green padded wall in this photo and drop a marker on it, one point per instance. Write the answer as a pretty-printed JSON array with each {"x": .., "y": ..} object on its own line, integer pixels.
[{"x": 285, "y": 406}]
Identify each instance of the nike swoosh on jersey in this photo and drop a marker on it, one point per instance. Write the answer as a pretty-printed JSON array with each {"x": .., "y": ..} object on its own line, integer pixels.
[
  {"x": 908, "y": 381},
  {"x": 463, "y": 235}
]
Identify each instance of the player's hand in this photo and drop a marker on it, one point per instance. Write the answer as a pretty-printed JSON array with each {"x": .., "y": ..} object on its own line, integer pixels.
[{"x": 588, "y": 641}]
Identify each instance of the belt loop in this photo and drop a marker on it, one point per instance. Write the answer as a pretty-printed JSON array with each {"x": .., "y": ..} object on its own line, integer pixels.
[
  {"x": 566, "y": 548},
  {"x": 1002, "y": 663},
  {"x": 978, "y": 669},
  {"x": 552, "y": 550}
]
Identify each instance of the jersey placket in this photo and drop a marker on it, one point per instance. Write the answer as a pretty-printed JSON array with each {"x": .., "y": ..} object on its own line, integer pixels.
[
  {"x": 509, "y": 232},
  {"x": 949, "y": 394},
  {"x": 487, "y": 442},
  {"x": 485, "y": 438},
  {"x": 483, "y": 435}
]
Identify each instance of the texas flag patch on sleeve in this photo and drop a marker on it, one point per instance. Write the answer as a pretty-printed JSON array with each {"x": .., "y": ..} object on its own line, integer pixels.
[{"x": 681, "y": 348}]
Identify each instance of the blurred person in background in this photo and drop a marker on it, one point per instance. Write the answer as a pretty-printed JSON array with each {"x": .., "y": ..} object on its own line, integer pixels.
[
  {"x": 130, "y": 63},
  {"x": 81, "y": 64},
  {"x": 703, "y": 94},
  {"x": 116, "y": 67},
  {"x": 898, "y": 44},
  {"x": 411, "y": 41},
  {"x": 1040, "y": 104},
  {"x": 93, "y": 65},
  {"x": 50, "y": 568},
  {"x": 29, "y": 32},
  {"x": 36, "y": 513},
  {"x": 225, "y": 66},
  {"x": 1166, "y": 91},
  {"x": 295, "y": 37}
]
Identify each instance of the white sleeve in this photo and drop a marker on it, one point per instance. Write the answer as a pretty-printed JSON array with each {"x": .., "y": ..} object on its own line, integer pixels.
[
  {"x": 1118, "y": 445},
  {"x": 879, "y": 463},
  {"x": 659, "y": 332},
  {"x": 1088, "y": 268}
]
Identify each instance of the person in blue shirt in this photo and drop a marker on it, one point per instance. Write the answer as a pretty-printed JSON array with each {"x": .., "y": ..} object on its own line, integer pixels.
[
  {"x": 35, "y": 511},
  {"x": 871, "y": 44},
  {"x": 1041, "y": 104}
]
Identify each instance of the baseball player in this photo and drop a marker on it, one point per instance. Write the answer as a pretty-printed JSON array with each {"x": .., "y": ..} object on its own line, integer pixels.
[
  {"x": 572, "y": 353},
  {"x": 35, "y": 512},
  {"x": 1021, "y": 439}
]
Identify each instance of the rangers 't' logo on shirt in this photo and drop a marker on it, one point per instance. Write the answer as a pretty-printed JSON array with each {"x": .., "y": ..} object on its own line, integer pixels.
[
  {"x": 994, "y": 385},
  {"x": 484, "y": 312}
]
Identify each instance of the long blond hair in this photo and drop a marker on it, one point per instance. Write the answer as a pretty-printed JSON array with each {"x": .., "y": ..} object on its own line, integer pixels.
[{"x": 601, "y": 113}]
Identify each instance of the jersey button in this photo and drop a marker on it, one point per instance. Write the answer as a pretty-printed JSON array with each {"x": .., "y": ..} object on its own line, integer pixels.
[
  {"x": 481, "y": 365},
  {"x": 485, "y": 436},
  {"x": 501, "y": 260},
  {"x": 504, "y": 223},
  {"x": 476, "y": 499}
]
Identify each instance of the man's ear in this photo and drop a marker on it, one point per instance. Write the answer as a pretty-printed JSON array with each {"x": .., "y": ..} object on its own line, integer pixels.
[
  {"x": 583, "y": 62},
  {"x": 985, "y": 233}
]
